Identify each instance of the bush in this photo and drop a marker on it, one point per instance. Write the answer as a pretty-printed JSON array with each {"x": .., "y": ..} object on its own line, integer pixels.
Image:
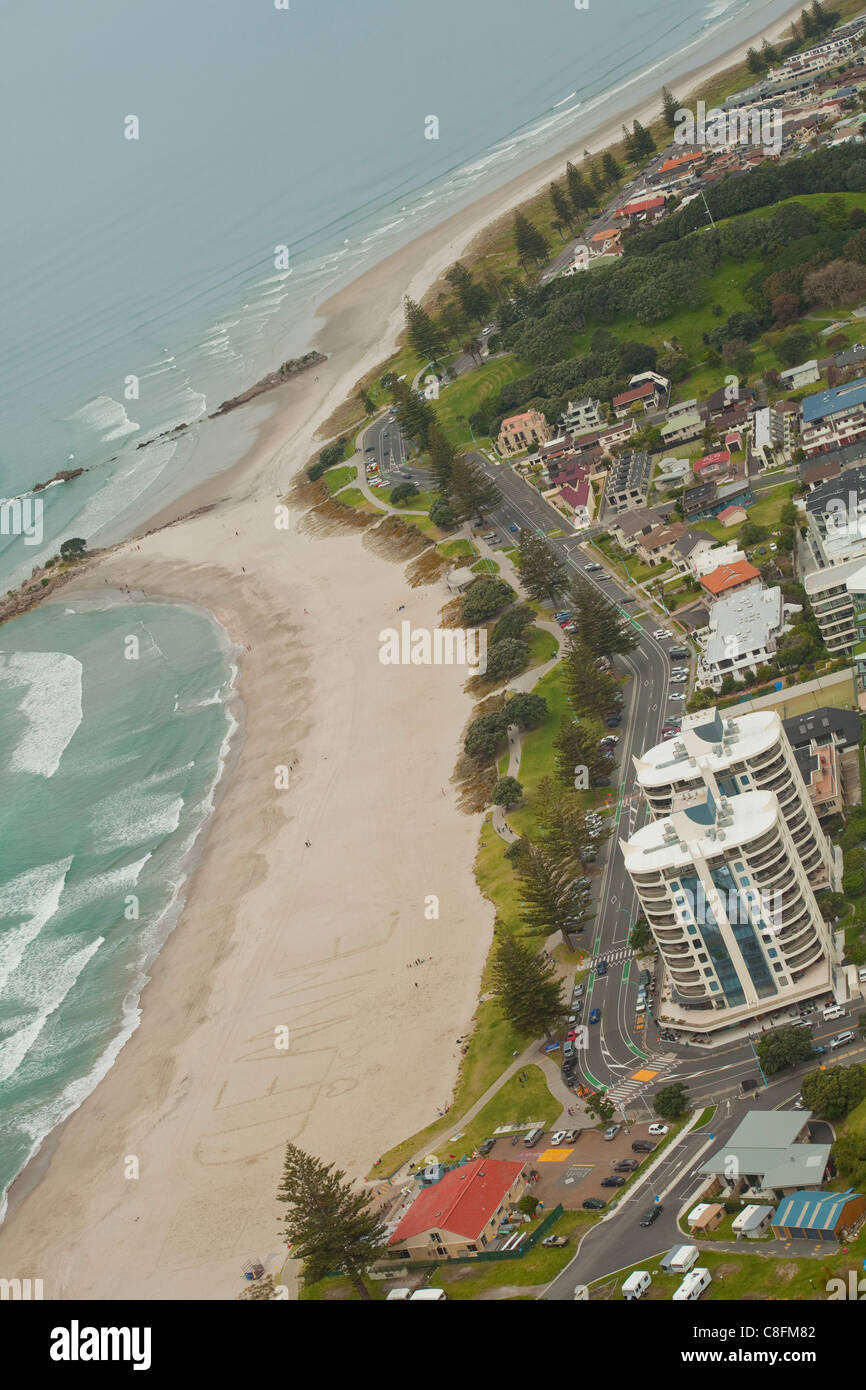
[
  {"x": 513, "y": 623},
  {"x": 485, "y": 598},
  {"x": 331, "y": 454},
  {"x": 485, "y": 736},
  {"x": 526, "y": 710},
  {"x": 506, "y": 792},
  {"x": 507, "y": 658},
  {"x": 402, "y": 492}
]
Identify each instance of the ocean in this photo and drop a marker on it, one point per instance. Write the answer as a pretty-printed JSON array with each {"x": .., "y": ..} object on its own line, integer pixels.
[{"x": 182, "y": 186}]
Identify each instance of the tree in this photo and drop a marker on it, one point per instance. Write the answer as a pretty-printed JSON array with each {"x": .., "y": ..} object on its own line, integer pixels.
[
  {"x": 366, "y": 400},
  {"x": 529, "y": 242},
  {"x": 513, "y": 623},
  {"x": 551, "y": 898},
  {"x": 525, "y": 710},
  {"x": 644, "y": 143},
  {"x": 528, "y": 988},
  {"x": 328, "y": 1223},
  {"x": 785, "y": 308},
  {"x": 441, "y": 515},
  {"x": 441, "y": 456},
  {"x": 597, "y": 620},
  {"x": 74, "y": 548},
  {"x": 612, "y": 170},
  {"x": 485, "y": 735},
  {"x": 472, "y": 492},
  {"x": 600, "y": 1107},
  {"x": 834, "y": 1092},
  {"x": 755, "y": 61},
  {"x": 402, "y": 492},
  {"x": 579, "y": 193},
  {"x": 835, "y": 283},
  {"x": 473, "y": 297},
  {"x": 580, "y": 762},
  {"x": 542, "y": 573},
  {"x": 670, "y": 107},
  {"x": 561, "y": 206},
  {"x": 506, "y": 792},
  {"x": 671, "y": 1101},
  {"x": 784, "y": 1047},
  {"x": 794, "y": 347},
  {"x": 423, "y": 333},
  {"x": 561, "y": 820},
  {"x": 590, "y": 691},
  {"x": 485, "y": 598},
  {"x": 640, "y": 936},
  {"x": 506, "y": 658}
]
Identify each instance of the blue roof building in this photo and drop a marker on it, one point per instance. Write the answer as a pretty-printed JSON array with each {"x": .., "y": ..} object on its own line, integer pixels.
[
  {"x": 834, "y": 400},
  {"x": 817, "y": 1215}
]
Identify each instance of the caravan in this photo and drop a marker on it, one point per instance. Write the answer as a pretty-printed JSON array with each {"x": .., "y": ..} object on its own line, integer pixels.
[
  {"x": 693, "y": 1285},
  {"x": 636, "y": 1285}
]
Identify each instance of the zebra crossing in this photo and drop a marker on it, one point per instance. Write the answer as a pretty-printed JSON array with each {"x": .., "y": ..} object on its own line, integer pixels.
[
  {"x": 663, "y": 1064},
  {"x": 620, "y": 953}
]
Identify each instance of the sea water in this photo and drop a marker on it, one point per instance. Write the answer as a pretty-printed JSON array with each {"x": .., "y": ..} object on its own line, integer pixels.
[{"x": 114, "y": 730}]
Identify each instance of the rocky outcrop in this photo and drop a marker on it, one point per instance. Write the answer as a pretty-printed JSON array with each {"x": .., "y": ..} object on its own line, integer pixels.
[
  {"x": 293, "y": 367},
  {"x": 64, "y": 475}
]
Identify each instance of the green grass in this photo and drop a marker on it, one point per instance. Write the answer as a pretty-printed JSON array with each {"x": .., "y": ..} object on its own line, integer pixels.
[
  {"x": 485, "y": 566},
  {"x": 339, "y": 476},
  {"x": 421, "y": 502},
  {"x": 543, "y": 647},
  {"x": 464, "y": 396},
  {"x": 513, "y": 1104},
  {"x": 705, "y": 1116},
  {"x": 354, "y": 497},
  {"x": 538, "y": 1267},
  {"x": 459, "y": 547}
]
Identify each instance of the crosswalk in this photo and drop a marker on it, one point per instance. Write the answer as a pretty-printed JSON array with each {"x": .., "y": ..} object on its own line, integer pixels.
[
  {"x": 621, "y": 953},
  {"x": 662, "y": 1063}
]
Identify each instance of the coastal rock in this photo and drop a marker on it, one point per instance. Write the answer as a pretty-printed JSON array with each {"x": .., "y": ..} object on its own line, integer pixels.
[
  {"x": 289, "y": 369},
  {"x": 64, "y": 475}
]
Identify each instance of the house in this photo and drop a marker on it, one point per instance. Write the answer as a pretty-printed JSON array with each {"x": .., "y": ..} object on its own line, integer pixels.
[
  {"x": 690, "y": 548},
  {"x": 726, "y": 398},
  {"x": 727, "y": 578},
  {"x": 734, "y": 439},
  {"x": 646, "y": 395},
  {"x": 680, "y": 428},
  {"x": 819, "y": 768},
  {"x": 709, "y": 560},
  {"x": 556, "y": 449},
  {"x": 579, "y": 501},
  {"x": 817, "y": 1215},
  {"x": 813, "y": 471},
  {"x": 648, "y": 209},
  {"x": 674, "y": 474},
  {"x": 628, "y": 480},
  {"x": 520, "y": 432},
  {"x": 852, "y": 356},
  {"x": 705, "y": 1217},
  {"x": 657, "y": 545},
  {"x": 582, "y": 416},
  {"x": 700, "y": 500},
  {"x": 775, "y": 430},
  {"x": 741, "y": 634},
  {"x": 835, "y": 417},
  {"x": 461, "y": 1214},
  {"x": 606, "y": 242},
  {"x": 802, "y": 375},
  {"x": 661, "y": 382},
  {"x": 711, "y": 465},
  {"x": 769, "y": 1152},
  {"x": 752, "y": 1222},
  {"x": 732, "y": 516},
  {"x": 826, "y": 744},
  {"x": 682, "y": 161},
  {"x": 628, "y": 528}
]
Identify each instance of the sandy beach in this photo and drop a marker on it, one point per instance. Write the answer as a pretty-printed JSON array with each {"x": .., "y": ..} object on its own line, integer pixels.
[{"x": 276, "y": 934}]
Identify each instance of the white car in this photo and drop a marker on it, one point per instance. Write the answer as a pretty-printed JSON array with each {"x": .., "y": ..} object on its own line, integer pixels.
[
  {"x": 660, "y": 634},
  {"x": 676, "y": 695},
  {"x": 557, "y": 1138},
  {"x": 657, "y": 1129}
]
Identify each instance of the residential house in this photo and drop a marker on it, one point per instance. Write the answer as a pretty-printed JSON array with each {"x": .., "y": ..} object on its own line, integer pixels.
[
  {"x": 734, "y": 439},
  {"x": 647, "y": 396},
  {"x": 728, "y": 398},
  {"x": 556, "y": 450},
  {"x": 579, "y": 502},
  {"x": 709, "y": 560},
  {"x": 835, "y": 417},
  {"x": 520, "y": 432},
  {"x": 826, "y": 744},
  {"x": 690, "y": 549},
  {"x": 582, "y": 416},
  {"x": 606, "y": 242},
  {"x": 662, "y": 383},
  {"x": 656, "y": 547},
  {"x": 770, "y": 1153},
  {"x": 700, "y": 500},
  {"x": 648, "y": 209},
  {"x": 680, "y": 428},
  {"x": 819, "y": 470},
  {"x": 732, "y": 516},
  {"x": 461, "y": 1214},
  {"x": 818, "y": 1215},
  {"x": 628, "y": 528},
  {"x": 712, "y": 465},
  {"x": 802, "y": 375},
  {"x": 728, "y": 577},
  {"x": 628, "y": 480}
]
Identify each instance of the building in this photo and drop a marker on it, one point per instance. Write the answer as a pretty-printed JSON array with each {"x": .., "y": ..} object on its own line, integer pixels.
[
  {"x": 705, "y": 1217},
  {"x": 851, "y": 357},
  {"x": 682, "y": 161},
  {"x": 711, "y": 465},
  {"x": 661, "y": 383},
  {"x": 833, "y": 555},
  {"x": 691, "y": 550},
  {"x": 579, "y": 502},
  {"x": 826, "y": 744},
  {"x": 749, "y": 752},
  {"x": 643, "y": 209},
  {"x": 802, "y": 375},
  {"x": 628, "y": 528},
  {"x": 752, "y": 1222},
  {"x": 709, "y": 560},
  {"x": 628, "y": 481},
  {"x": 729, "y": 576},
  {"x": 656, "y": 547},
  {"x": 730, "y": 906},
  {"x": 819, "y": 470},
  {"x": 818, "y": 1215},
  {"x": 732, "y": 516},
  {"x": 521, "y": 432},
  {"x": 682, "y": 427},
  {"x": 775, "y": 433},
  {"x": 769, "y": 1154},
  {"x": 834, "y": 418},
  {"x": 556, "y": 450},
  {"x": 700, "y": 500},
  {"x": 645, "y": 396},
  {"x": 461, "y": 1214},
  {"x": 582, "y": 416},
  {"x": 741, "y": 635},
  {"x": 726, "y": 398}
]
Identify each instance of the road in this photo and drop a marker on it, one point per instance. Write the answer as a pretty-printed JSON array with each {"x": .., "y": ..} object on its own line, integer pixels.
[{"x": 385, "y": 443}]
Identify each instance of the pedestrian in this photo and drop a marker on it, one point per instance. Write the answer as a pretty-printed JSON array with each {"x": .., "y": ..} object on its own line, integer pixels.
[
  {"x": 307, "y": 843},
  {"x": 416, "y": 984}
]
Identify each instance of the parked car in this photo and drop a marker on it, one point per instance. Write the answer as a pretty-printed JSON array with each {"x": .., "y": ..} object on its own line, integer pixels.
[
  {"x": 579, "y": 990},
  {"x": 571, "y": 1136},
  {"x": 568, "y": 1050},
  {"x": 593, "y": 1204},
  {"x": 514, "y": 528},
  {"x": 626, "y": 1165},
  {"x": 563, "y": 613},
  {"x": 487, "y": 1146},
  {"x": 612, "y": 1131},
  {"x": 554, "y": 1242},
  {"x": 595, "y": 1015},
  {"x": 676, "y": 695},
  {"x": 748, "y": 1083},
  {"x": 660, "y": 634},
  {"x": 651, "y": 1214},
  {"x": 613, "y": 721},
  {"x": 799, "y": 1103},
  {"x": 557, "y": 1138},
  {"x": 819, "y": 1051},
  {"x": 591, "y": 569},
  {"x": 678, "y": 652},
  {"x": 642, "y": 1146},
  {"x": 658, "y": 1129},
  {"x": 601, "y": 967},
  {"x": 612, "y": 1182}
]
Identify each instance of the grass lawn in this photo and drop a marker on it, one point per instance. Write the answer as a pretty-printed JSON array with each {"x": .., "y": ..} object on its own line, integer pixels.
[
  {"x": 513, "y": 1104},
  {"x": 543, "y": 647},
  {"x": 339, "y": 476},
  {"x": 462, "y": 397},
  {"x": 421, "y": 502},
  {"x": 705, "y": 1117},
  {"x": 354, "y": 497},
  {"x": 459, "y": 547},
  {"x": 539, "y": 1266},
  {"x": 485, "y": 566}
]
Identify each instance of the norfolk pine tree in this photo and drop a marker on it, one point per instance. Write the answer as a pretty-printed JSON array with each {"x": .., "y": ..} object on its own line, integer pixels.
[
  {"x": 328, "y": 1222},
  {"x": 529, "y": 990}
]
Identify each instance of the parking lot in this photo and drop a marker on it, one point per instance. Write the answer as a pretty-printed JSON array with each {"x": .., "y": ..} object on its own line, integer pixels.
[{"x": 569, "y": 1174}]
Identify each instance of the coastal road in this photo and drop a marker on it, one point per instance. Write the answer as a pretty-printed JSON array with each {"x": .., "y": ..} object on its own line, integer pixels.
[{"x": 385, "y": 443}]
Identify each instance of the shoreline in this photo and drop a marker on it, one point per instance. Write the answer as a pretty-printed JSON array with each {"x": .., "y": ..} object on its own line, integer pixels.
[{"x": 217, "y": 987}]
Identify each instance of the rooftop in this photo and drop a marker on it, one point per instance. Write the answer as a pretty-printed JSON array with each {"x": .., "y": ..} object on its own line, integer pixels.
[
  {"x": 813, "y": 1211},
  {"x": 462, "y": 1203},
  {"x": 693, "y": 831},
  {"x": 829, "y": 402},
  {"x": 712, "y": 741},
  {"x": 729, "y": 576}
]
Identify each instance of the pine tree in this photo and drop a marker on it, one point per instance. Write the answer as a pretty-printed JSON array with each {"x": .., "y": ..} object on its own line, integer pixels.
[
  {"x": 425, "y": 336},
  {"x": 472, "y": 493},
  {"x": 529, "y": 242},
  {"x": 529, "y": 991},
  {"x": 632, "y": 153},
  {"x": 474, "y": 298},
  {"x": 670, "y": 107},
  {"x": 598, "y": 621},
  {"x": 561, "y": 820},
  {"x": 441, "y": 455},
  {"x": 579, "y": 194},
  {"x": 577, "y": 748},
  {"x": 597, "y": 181},
  {"x": 561, "y": 206},
  {"x": 754, "y": 61},
  {"x": 590, "y": 691},
  {"x": 644, "y": 142},
  {"x": 612, "y": 170},
  {"x": 542, "y": 574},
  {"x": 415, "y": 415},
  {"x": 328, "y": 1222}
]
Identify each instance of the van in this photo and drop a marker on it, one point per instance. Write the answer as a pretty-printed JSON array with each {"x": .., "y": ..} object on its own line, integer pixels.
[
  {"x": 427, "y": 1296},
  {"x": 533, "y": 1136},
  {"x": 636, "y": 1284},
  {"x": 683, "y": 1259},
  {"x": 693, "y": 1285},
  {"x": 842, "y": 1039},
  {"x": 834, "y": 1011},
  {"x": 861, "y": 973}
]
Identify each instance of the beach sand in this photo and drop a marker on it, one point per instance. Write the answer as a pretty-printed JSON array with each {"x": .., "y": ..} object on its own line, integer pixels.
[{"x": 274, "y": 934}]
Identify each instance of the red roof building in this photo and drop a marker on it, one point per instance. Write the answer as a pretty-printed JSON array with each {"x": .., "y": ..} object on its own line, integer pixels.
[
  {"x": 642, "y": 206},
  {"x": 712, "y": 463},
  {"x": 680, "y": 161},
  {"x": 727, "y": 578},
  {"x": 463, "y": 1211}
]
